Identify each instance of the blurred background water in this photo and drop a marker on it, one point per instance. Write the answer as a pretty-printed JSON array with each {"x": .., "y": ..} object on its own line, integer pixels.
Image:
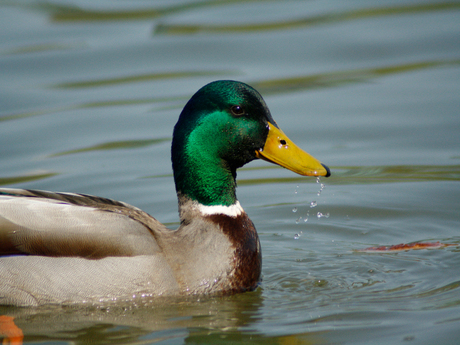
[{"x": 90, "y": 92}]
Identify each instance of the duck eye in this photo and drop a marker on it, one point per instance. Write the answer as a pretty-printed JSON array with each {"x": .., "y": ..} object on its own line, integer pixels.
[{"x": 237, "y": 110}]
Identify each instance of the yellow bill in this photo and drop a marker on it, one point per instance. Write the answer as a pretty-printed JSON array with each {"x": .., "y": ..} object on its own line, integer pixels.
[{"x": 279, "y": 149}]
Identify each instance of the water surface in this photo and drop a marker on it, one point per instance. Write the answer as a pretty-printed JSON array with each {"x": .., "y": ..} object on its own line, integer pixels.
[{"x": 90, "y": 92}]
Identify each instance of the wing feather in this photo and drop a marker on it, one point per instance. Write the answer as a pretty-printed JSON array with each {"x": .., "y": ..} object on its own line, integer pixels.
[{"x": 65, "y": 224}]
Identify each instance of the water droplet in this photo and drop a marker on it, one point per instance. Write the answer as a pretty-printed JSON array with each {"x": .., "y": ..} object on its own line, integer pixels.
[
  {"x": 297, "y": 236},
  {"x": 313, "y": 204},
  {"x": 294, "y": 209},
  {"x": 297, "y": 221},
  {"x": 305, "y": 219},
  {"x": 320, "y": 215},
  {"x": 318, "y": 179}
]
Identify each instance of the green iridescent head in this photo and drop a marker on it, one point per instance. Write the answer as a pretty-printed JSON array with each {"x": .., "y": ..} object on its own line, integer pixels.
[
  {"x": 219, "y": 130},
  {"x": 225, "y": 125}
]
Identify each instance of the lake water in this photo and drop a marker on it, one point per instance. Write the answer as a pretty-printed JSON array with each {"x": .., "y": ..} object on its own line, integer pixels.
[{"x": 90, "y": 92}]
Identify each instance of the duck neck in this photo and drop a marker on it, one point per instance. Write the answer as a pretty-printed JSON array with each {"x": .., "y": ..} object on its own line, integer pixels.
[{"x": 203, "y": 177}]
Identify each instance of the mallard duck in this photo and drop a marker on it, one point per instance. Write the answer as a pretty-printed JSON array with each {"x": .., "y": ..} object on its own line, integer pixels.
[{"x": 76, "y": 248}]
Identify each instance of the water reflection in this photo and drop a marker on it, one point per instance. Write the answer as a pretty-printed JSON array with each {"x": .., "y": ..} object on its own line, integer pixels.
[
  {"x": 329, "y": 18},
  {"x": 159, "y": 319},
  {"x": 34, "y": 176},
  {"x": 334, "y": 79},
  {"x": 370, "y": 175},
  {"x": 141, "y": 78},
  {"x": 265, "y": 87},
  {"x": 69, "y": 13},
  {"x": 114, "y": 145},
  {"x": 66, "y": 13}
]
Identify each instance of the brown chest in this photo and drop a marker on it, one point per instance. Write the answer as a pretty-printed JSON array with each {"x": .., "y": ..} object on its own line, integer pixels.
[{"x": 247, "y": 256}]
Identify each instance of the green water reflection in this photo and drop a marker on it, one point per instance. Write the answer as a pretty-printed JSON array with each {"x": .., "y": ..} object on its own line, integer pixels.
[
  {"x": 265, "y": 87},
  {"x": 114, "y": 145},
  {"x": 25, "y": 178},
  {"x": 329, "y": 18},
  {"x": 374, "y": 174}
]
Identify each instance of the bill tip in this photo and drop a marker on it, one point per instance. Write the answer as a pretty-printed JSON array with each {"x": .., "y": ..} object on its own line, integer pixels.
[{"x": 328, "y": 171}]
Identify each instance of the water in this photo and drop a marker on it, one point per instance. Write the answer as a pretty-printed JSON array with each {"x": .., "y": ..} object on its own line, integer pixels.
[{"x": 89, "y": 95}]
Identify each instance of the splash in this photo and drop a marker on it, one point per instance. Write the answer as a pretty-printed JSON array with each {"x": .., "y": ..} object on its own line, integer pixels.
[
  {"x": 303, "y": 218},
  {"x": 321, "y": 215}
]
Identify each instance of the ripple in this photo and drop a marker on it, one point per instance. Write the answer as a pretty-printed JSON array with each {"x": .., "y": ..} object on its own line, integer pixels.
[
  {"x": 114, "y": 145},
  {"x": 394, "y": 173},
  {"x": 344, "y": 175},
  {"x": 26, "y": 178},
  {"x": 333, "y": 79},
  {"x": 330, "y": 18},
  {"x": 141, "y": 78}
]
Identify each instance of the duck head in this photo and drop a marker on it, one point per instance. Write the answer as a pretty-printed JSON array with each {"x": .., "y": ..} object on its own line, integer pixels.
[{"x": 225, "y": 125}]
